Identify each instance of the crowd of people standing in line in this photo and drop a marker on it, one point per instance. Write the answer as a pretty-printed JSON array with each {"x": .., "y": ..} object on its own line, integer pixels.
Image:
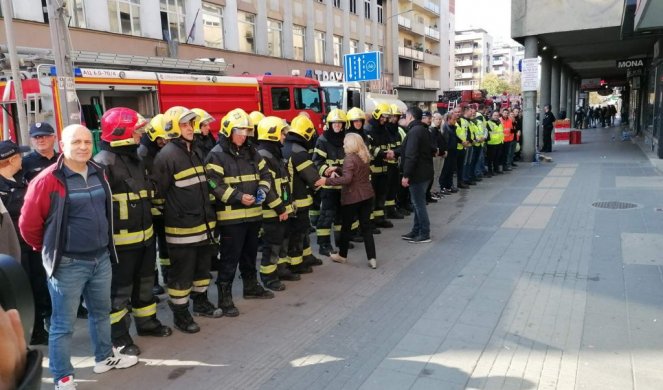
[{"x": 597, "y": 116}]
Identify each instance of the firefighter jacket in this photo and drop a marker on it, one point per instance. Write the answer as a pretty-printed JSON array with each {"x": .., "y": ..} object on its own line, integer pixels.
[
  {"x": 463, "y": 132},
  {"x": 329, "y": 152},
  {"x": 302, "y": 171},
  {"x": 495, "y": 132},
  {"x": 132, "y": 194},
  {"x": 278, "y": 200},
  {"x": 204, "y": 142},
  {"x": 380, "y": 141},
  {"x": 396, "y": 135},
  {"x": 233, "y": 172},
  {"x": 181, "y": 180},
  {"x": 147, "y": 151}
]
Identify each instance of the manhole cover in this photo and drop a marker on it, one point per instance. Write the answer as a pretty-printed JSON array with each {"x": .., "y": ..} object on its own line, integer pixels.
[{"x": 614, "y": 205}]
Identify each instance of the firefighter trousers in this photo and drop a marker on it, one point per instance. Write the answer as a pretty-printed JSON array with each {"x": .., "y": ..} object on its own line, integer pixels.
[
  {"x": 380, "y": 183},
  {"x": 330, "y": 216},
  {"x": 189, "y": 270},
  {"x": 274, "y": 247},
  {"x": 297, "y": 235},
  {"x": 393, "y": 185},
  {"x": 239, "y": 247},
  {"x": 314, "y": 210},
  {"x": 131, "y": 289}
]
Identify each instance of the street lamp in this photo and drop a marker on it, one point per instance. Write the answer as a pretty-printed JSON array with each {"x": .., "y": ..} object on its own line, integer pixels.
[{"x": 387, "y": 26}]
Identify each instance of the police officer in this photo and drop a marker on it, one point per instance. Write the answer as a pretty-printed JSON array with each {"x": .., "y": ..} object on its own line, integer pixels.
[
  {"x": 240, "y": 181},
  {"x": 328, "y": 158},
  {"x": 189, "y": 219},
  {"x": 42, "y": 136},
  {"x": 133, "y": 235},
  {"x": 382, "y": 153},
  {"x": 201, "y": 130}
]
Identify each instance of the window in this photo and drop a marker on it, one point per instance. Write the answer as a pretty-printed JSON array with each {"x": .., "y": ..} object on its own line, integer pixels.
[
  {"x": 246, "y": 24},
  {"x": 367, "y": 9},
  {"x": 299, "y": 42},
  {"x": 380, "y": 17},
  {"x": 307, "y": 99},
  {"x": 274, "y": 32},
  {"x": 213, "y": 25},
  {"x": 76, "y": 13},
  {"x": 368, "y": 47},
  {"x": 124, "y": 16},
  {"x": 280, "y": 98},
  {"x": 338, "y": 50},
  {"x": 172, "y": 20},
  {"x": 319, "y": 46},
  {"x": 353, "y": 6},
  {"x": 354, "y": 44},
  {"x": 333, "y": 98},
  {"x": 337, "y": 3}
]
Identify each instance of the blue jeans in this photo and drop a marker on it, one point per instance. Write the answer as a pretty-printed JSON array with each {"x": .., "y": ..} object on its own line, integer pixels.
[
  {"x": 481, "y": 162},
  {"x": 73, "y": 278},
  {"x": 418, "y": 198}
]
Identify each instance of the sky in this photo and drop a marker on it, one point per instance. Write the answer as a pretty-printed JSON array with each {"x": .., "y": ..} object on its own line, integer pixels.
[{"x": 493, "y": 16}]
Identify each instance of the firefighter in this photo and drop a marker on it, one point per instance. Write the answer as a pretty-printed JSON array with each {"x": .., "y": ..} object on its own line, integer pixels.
[
  {"x": 303, "y": 176},
  {"x": 240, "y": 180},
  {"x": 151, "y": 143},
  {"x": 396, "y": 134},
  {"x": 256, "y": 117},
  {"x": 201, "y": 131},
  {"x": 382, "y": 153},
  {"x": 189, "y": 219},
  {"x": 328, "y": 158},
  {"x": 133, "y": 235},
  {"x": 277, "y": 207}
]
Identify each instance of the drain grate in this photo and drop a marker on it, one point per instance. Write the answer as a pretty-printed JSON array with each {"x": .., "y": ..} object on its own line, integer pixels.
[{"x": 614, "y": 205}]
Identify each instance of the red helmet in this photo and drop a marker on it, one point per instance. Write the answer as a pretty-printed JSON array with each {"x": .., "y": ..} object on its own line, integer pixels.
[{"x": 118, "y": 125}]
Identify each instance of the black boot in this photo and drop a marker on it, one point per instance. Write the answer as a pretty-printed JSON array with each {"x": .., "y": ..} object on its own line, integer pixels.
[
  {"x": 312, "y": 261},
  {"x": 272, "y": 281},
  {"x": 157, "y": 289},
  {"x": 226, "y": 299},
  {"x": 284, "y": 273},
  {"x": 383, "y": 223},
  {"x": 357, "y": 237},
  {"x": 326, "y": 249},
  {"x": 203, "y": 307},
  {"x": 151, "y": 326},
  {"x": 183, "y": 319},
  {"x": 392, "y": 213},
  {"x": 301, "y": 268},
  {"x": 253, "y": 290}
]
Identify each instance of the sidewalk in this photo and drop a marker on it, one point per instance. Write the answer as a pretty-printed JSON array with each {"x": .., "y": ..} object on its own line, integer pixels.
[{"x": 525, "y": 286}]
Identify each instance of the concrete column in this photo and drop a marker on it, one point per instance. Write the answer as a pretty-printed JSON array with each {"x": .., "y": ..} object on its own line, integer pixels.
[
  {"x": 329, "y": 35},
  {"x": 309, "y": 52},
  {"x": 529, "y": 108},
  {"x": 231, "y": 29},
  {"x": 192, "y": 9},
  {"x": 345, "y": 6},
  {"x": 287, "y": 49},
  {"x": 100, "y": 7},
  {"x": 555, "y": 78},
  {"x": 150, "y": 19},
  {"x": 392, "y": 53},
  {"x": 261, "y": 29},
  {"x": 571, "y": 94},
  {"x": 563, "y": 84},
  {"x": 544, "y": 86}
]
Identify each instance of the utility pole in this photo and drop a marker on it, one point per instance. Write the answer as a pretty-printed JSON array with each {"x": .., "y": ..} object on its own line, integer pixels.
[
  {"x": 8, "y": 13},
  {"x": 58, "y": 17}
]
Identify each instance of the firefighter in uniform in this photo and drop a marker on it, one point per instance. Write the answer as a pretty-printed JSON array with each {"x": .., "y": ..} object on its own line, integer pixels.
[
  {"x": 240, "y": 180},
  {"x": 133, "y": 235},
  {"x": 189, "y": 219},
  {"x": 328, "y": 158},
  {"x": 396, "y": 135},
  {"x": 382, "y": 153},
  {"x": 151, "y": 143},
  {"x": 277, "y": 207},
  {"x": 303, "y": 176},
  {"x": 201, "y": 131},
  {"x": 256, "y": 117}
]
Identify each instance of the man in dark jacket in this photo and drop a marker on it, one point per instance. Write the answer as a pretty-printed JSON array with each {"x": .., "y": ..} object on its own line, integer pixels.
[
  {"x": 417, "y": 173},
  {"x": 547, "y": 124}
]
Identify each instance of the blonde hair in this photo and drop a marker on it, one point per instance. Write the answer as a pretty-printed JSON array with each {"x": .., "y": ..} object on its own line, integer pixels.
[{"x": 353, "y": 143}]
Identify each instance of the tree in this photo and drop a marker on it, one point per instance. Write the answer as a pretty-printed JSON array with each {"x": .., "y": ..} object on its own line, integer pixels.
[
  {"x": 514, "y": 84},
  {"x": 494, "y": 84}
]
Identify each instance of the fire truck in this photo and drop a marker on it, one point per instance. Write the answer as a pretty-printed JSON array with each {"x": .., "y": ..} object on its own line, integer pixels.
[
  {"x": 151, "y": 92},
  {"x": 450, "y": 99}
]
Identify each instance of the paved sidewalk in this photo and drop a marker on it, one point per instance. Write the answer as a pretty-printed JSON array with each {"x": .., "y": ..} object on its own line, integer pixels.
[{"x": 525, "y": 286}]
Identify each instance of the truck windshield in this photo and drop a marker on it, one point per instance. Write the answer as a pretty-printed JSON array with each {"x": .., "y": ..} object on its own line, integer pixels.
[
  {"x": 333, "y": 98},
  {"x": 308, "y": 99}
]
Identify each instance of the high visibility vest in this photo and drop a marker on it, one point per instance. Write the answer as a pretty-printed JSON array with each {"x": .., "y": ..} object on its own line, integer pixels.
[
  {"x": 508, "y": 129},
  {"x": 481, "y": 125},
  {"x": 462, "y": 132},
  {"x": 496, "y": 133}
]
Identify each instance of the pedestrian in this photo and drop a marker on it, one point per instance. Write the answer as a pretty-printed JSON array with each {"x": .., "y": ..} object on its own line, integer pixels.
[
  {"x": 547, "y": 123},
  {"x": 133, "y": 234},
  {"x": 67, "y": 215},
  {"x": 356, "y": 197},
  {"x": 42, "y": 137},
  {"x": 463, "y": 148},
  {"x": 495, "y": 141},
  {"x": 438, "y": 151},
  {"x": 449, "y": 167},
  {"x": 417, "y": 173},
  {"x": 240, "y": 181}
]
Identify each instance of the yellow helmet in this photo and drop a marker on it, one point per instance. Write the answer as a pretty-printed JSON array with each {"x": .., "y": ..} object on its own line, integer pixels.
[
  {"x": 356, "y": 114},
  {"x": 303, "y": 126},
  {"x": 155, "y": 129},
  {"x": 172, "y": 119},
  {"x": 337, "y": 115},
  {"x": 256, "y": 117},
  {"x": 236, "y": 119},
  {"x": 395, "y": 110},
  {"x": 271, "y": 128},
  {"x": 381, "y": 109},
  {"x": 203, "y": 117}
]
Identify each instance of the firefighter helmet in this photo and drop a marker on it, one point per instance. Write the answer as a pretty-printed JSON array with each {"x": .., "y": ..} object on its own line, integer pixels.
[
  {"x": 172, "y": 119},
  {"x": 381, "y": 109},
  {"x": 118, "y": 125},
  {"x": 271, "y": 128},
  {"x": 256, "y": 117},
  {"x": 155, "y": 128},
  {"x": 203, "y": 117},
  {"x": 303, "y": 126},
  {"x": 236, "y": 119},
  {"x": 356, "y": 114},
  {"x": 337, "y": 115},
  {"x": 395, "y": 110}
]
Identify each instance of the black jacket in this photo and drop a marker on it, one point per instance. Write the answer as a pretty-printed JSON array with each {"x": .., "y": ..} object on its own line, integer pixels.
[
  {"x": 438, "y": 143},
  {"x": 204, "y": 142},
  {"x": 380, "y": 142},
  {"x": 417, "y": 158},
  {"x": 181, "y": 180},
  {"x": 548, "y": 120},
  {"x": 132, "y": 194},
  {"x": 12, "y": 193},
  {"x": 33, "y": 163},
  {"x": 279, "y": 198},
  {"x": 449, "y": 134},
  {"x": 329, "y": 152},
  {"x": 302, "y": 171}
]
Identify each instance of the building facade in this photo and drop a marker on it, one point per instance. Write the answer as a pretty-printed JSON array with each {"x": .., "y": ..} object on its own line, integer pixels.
[
  {"x": 505, "y": 58},
  {"x": 472, "y": 58}
]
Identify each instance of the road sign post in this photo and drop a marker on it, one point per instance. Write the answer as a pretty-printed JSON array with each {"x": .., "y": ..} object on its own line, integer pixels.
[{"x": 362, "y": 66}]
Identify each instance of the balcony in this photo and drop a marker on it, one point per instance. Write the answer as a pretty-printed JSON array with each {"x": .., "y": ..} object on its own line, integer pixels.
[
  {"x": 404, "y": 22},
  {"x": 432, "y": 84},
  {"x": 410, "y": 53},
  {"x": 404, "y": 81},
  {"x": 432, "y": 59},
  {"x": 433, "y": 33},
  {"x": 464, "y": 63},
  {"x": 464, "y": 76},
  {"x": 498, "y": 62},
  {"x": 428, "y": 5},
  {"x": 464, "y": 50}
]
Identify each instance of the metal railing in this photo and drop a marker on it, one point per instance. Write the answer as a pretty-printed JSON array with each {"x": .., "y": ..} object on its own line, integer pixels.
[
  {"x": 433, "y": 33},
  {"x": 410, "y": 53},
  {"x": 405, "y": 22}
]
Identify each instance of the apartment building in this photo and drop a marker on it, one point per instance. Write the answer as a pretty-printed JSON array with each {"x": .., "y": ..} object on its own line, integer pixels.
[
  {"x": 505, "y": 58},
  {"x": 472, "y": 58}
]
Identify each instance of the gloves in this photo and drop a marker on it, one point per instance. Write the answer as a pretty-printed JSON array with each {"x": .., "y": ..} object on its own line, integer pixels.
[{"x": 260, "y": 196}]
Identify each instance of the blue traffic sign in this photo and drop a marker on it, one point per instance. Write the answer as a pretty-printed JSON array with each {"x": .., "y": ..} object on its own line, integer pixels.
[{"x": 362, "y": 66}]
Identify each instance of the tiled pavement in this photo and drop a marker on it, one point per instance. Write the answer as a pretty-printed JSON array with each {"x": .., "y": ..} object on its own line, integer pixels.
[{"x": 525, "y": 286}]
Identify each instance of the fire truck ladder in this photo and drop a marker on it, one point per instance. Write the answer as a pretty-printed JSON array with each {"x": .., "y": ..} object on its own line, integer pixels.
[
  {"x": 452, "y": 105},
  {"x": 33, "y": 108}
]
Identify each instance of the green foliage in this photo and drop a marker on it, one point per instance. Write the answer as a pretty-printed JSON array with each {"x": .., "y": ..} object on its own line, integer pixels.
[{"x": 496, "y": 85}]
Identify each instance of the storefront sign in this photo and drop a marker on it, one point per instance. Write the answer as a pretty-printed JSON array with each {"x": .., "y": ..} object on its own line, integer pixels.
[
  {"x": 630, "y": 64},
  {"x": 323, "y": 75}
]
